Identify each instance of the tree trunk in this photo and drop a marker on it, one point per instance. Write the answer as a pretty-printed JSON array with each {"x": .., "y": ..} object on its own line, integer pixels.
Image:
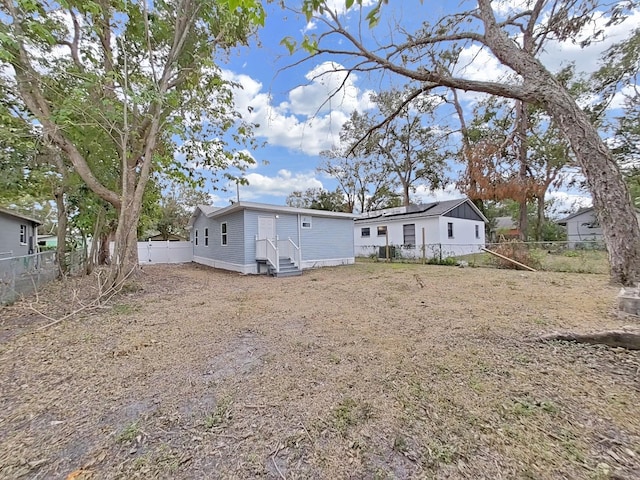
[
  {"x": 406, "y": 201},
  {"x": 540, "y": 205},
  {"x": 611, "y": 199},
  {"x": 522, "y": 126},
  {"x": 61, "y": 248}
]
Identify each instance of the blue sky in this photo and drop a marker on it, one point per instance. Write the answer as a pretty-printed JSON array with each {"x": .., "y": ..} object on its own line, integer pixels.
[{"x": 287, "y": 101}]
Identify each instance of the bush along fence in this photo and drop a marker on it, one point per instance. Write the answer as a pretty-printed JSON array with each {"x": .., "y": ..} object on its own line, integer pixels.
[
  {"x": 25, "y": 274},
  {"x": 583, "y": 257}
]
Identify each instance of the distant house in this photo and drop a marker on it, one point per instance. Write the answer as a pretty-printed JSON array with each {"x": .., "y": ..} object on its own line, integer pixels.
[
  {"x": 583, "y": 227},
  {"x": 158, "y": 237},
  {"x": 18, "y": 234},
  {"x": 259, "y": 238},
  {"x": 505, "y": 228},
  {"x": 448, "y": 228}
]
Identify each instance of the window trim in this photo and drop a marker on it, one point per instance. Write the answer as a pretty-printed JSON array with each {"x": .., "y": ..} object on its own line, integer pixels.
[
  {"x": 224, "y": 234},
  {"x": 382, "y": 230},
  {"x": 195, "y": 238},
  {"x": 450, "y": 230},
  {"x": 206, "y": 237},
  {"x": 477, "y": 231},
  {"x": 362, "y": 229},
  {"x": 404, "y": 235},
  {"x": 23, "y": 234}
]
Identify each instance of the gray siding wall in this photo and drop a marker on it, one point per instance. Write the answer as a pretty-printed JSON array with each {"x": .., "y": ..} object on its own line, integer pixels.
[
  {"x": 286, "y": 227},
  {"x": 10, "y": 236},
  {"x": 233, "y": 252},
  {"x": 327, "y": 238}
]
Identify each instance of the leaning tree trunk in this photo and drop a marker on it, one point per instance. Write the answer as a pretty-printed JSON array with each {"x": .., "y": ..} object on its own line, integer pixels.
[{"x": 611, "y": 199}]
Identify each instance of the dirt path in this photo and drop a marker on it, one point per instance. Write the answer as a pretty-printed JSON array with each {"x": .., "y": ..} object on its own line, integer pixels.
[{"x": 370, "y": 371}]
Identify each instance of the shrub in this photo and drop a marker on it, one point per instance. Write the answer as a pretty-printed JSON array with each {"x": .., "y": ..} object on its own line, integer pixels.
[{"x": 518, "y": 251}]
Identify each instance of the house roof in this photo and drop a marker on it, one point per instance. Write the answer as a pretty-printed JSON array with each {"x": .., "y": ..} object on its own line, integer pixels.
[
  {"x": 13, "y": 213},
  {"x": 563, "y": 221},
  {"x": 505, "y": 223},
  {"x": 214, "y": 212},
  {"x": 434, "y": 209}
]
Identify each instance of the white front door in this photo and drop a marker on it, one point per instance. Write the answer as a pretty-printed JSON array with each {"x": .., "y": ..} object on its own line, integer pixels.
[{"x": 267, "y": 228}]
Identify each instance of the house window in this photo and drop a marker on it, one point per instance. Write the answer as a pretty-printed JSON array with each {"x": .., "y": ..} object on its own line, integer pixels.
[
  {"x": 365, "y": 232},
  {"x": 23, "y": 234},
  {"x": 409, "y": 234},
  {"x": 477, "y": 231},
  {"x": 450, "y": 230},
  {"x": 206, "y": 237},
  {"x": 382, "y": 230},
  {"x": 306, "y": 222},
  {"x": 223, "y": 232},
  {"x": 195, "y": 238}
]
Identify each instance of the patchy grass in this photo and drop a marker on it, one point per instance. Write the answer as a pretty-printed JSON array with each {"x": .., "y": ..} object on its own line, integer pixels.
[{"x": 368, "y": 371}]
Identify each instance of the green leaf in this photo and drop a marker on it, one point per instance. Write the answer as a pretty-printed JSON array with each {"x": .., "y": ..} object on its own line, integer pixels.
[{"x": 290, "y": 43}]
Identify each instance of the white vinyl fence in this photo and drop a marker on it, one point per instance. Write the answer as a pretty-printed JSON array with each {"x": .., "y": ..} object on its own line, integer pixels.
[{"x": 163, "y": 252}]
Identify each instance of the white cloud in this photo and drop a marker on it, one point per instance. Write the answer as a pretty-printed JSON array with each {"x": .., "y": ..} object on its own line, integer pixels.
[
  {"x": 559, "y": 54},
  {"x": 330, "y": 88},
  {"x": 302, "y": 122},
  {"x": 565, "y": 203},
  {"x": 281, "y": 185}
]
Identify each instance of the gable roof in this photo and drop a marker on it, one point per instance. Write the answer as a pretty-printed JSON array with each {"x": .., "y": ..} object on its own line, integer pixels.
[
  {"x": 19, "y": 215},
  {"x": 434, "y": 209},
  {"x": 563, "y": 221},
  {"x": 505, "y": 223},
  {"x": 215, "y": 212}
]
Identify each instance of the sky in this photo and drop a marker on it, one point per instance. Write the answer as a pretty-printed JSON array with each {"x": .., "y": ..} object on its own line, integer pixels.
[{"x": 289, "y": 100}]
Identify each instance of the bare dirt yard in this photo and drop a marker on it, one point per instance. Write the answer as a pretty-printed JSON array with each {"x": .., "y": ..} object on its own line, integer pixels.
[{"x": 370, "y": 371}]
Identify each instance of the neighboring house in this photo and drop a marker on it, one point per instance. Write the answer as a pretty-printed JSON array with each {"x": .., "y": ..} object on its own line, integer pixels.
[
  {"x": 18, "y": 234},
  {"x": 259, "y": 238},
  {"x": 448, "y": 228},
  {"x": 583, "y": 228}
]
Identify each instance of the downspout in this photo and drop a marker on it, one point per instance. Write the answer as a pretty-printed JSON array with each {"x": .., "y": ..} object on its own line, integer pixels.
[{"x": 299, "y": 244}]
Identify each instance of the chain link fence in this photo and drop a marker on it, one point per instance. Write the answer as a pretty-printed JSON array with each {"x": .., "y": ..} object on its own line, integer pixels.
[
  {"x": 582, "y": 257},
  {"x": 24, "y": 275}
]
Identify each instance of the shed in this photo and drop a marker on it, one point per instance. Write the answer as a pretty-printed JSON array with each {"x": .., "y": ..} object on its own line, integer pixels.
[{"x": 257, "y": 238}]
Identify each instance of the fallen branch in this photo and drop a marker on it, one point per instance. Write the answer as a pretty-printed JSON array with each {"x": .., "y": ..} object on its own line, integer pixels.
[
  {"x": 611, "y": 338},
  {"x": 102, "y": 297}
]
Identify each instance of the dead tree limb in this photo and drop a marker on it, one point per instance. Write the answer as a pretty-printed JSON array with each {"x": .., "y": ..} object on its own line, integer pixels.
[{"x": 611, "y": 338}]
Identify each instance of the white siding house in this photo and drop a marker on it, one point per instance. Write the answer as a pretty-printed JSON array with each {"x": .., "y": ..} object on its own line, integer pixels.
[
  {"x": 18, "y": 234},
  {"x": 259, "y": 238},
  {"x": 583, "y": 228},
  {"x": 448, "y": 228}
]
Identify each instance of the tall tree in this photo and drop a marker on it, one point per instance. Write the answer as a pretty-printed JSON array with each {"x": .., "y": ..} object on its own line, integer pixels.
[
  {"x": 411, "y": 148},
  {"x": 141, "y": 72},
  {"x": 363, "y": 177},
  {"x": 317, "y": 199},
  {"x": 499, "y": 34}
]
